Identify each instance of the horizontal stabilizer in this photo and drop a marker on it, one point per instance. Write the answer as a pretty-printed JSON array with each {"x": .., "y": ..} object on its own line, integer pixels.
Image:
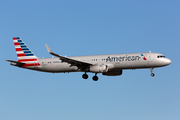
[{"x": 16, "y": 62}]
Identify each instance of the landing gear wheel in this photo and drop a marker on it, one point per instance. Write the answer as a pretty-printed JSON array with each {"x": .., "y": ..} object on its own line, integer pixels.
[
  {"x": 85, "y": 76},
  {"x": 95, "y": 78},
  {"x": 152, "y": 74}
]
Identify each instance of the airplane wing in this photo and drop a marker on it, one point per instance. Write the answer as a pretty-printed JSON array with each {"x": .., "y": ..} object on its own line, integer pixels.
[{"x": 73, "y": 62}]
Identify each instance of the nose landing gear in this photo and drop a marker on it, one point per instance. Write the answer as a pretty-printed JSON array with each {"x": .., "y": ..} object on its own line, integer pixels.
[{"x": 152, "y": 74}]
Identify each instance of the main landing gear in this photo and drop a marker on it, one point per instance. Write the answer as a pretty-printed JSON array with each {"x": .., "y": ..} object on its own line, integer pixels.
[
  {"x": 152, "y": 74},
  {"x": 95, "y": 78},
  {"x": 85, "y": 76}
]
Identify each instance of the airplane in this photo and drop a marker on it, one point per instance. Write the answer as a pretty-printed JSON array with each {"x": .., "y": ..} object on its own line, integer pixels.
[{"x": 109, "y": 65}]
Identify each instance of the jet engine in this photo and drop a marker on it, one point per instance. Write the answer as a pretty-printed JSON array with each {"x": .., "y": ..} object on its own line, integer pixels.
[
  {"x": 113, "y": 73},
  {"x": 98, "y": 68}
]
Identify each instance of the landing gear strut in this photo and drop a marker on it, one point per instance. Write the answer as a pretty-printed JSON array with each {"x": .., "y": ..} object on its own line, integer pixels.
[
  {"x": 85, "y": 76},
  {"x": 152, "y": 74},
  {"x": 95, "y": 78}
]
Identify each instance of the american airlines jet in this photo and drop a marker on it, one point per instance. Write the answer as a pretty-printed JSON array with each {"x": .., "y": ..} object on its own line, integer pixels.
[{"x": 109, "y": 65}]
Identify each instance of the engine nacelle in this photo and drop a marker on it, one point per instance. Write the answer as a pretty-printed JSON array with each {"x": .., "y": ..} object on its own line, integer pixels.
[
  {"x": 113, "y": 73},
  {"x": 98, "y": 68}
]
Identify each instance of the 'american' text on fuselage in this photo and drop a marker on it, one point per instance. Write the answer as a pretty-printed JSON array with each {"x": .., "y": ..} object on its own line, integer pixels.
[{"x": 124, "y": 58}]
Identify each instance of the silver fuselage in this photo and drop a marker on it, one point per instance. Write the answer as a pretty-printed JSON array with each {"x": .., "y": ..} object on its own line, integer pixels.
[{"x": 113, "y": 61}]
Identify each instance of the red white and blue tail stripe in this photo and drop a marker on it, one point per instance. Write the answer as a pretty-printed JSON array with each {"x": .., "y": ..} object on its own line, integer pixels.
[{"x": 24, "y": 54}]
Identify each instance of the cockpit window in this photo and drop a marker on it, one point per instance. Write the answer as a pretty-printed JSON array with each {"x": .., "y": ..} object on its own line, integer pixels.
[{"x": 161, "y": 56}]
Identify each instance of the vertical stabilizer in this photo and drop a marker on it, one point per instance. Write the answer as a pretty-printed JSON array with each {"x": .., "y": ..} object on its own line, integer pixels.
[{"x": 24, "y": 54}]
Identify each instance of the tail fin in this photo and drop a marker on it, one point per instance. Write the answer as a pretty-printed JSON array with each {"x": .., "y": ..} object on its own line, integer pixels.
[{"x": 24, "y": 54}]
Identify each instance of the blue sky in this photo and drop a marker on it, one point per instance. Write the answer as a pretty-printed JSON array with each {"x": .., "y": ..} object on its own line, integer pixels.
[{"x": 89, "y": 28}]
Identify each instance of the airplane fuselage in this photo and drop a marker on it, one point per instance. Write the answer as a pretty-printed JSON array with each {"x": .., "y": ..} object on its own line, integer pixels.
[
  {"x": 113, "y": 61},
  {"x": 110, "y": 65}
]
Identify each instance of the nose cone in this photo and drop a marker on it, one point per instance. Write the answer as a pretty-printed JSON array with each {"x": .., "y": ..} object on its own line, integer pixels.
[{"x": 167, "y": 61}]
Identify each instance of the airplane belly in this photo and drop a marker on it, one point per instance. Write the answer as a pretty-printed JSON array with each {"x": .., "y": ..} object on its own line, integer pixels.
[{"x": 61, "y": 67}]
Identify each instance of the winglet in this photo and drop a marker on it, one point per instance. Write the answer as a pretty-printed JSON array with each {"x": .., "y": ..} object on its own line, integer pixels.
[{"x": 49, "y": 50}]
